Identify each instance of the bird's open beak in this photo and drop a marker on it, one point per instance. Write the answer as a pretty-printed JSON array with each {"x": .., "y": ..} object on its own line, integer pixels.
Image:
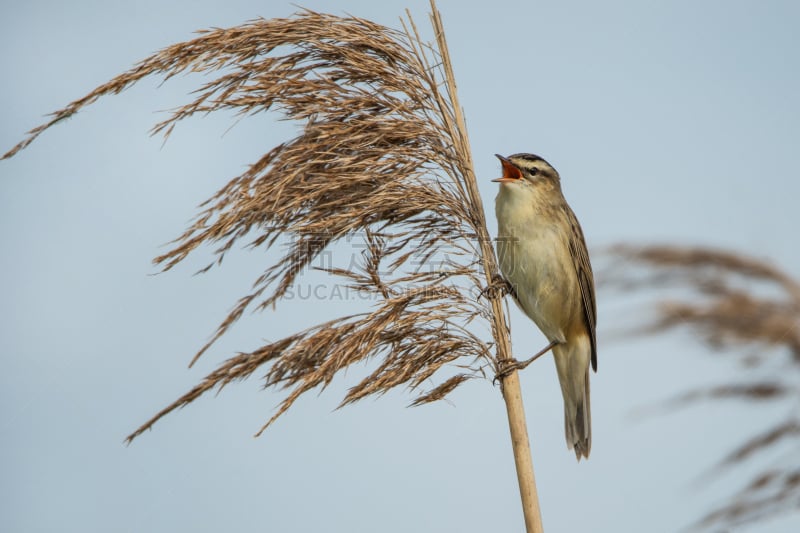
[{"x": 510, "y": 172}]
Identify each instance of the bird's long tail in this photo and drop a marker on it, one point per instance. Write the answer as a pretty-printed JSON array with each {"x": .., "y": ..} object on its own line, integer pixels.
[{"x": 572, "y": 364}]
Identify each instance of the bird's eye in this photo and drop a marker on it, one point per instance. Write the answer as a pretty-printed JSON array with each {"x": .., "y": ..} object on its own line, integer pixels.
[{"x": 533, "y": 171}]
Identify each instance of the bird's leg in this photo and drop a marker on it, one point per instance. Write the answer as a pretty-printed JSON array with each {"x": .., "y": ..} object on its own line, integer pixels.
[
  {"x": 511, "y": 365},
  {"x": 498, "y": 288}
]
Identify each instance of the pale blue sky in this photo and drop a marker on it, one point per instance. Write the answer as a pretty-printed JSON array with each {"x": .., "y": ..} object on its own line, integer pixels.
[{"x": 668, "y": 121}]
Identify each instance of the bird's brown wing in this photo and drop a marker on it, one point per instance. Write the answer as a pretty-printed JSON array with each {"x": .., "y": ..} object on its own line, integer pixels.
[{"x": 583, "y": 270}]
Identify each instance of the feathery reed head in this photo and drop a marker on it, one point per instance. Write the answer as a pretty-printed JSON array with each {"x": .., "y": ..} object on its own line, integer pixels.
[{"x": 382, "y": 154}]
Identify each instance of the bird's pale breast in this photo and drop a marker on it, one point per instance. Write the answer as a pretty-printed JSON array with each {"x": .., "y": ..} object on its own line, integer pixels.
[{"x": 534, "y": 257}]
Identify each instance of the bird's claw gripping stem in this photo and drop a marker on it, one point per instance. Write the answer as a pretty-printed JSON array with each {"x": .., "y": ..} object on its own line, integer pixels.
[
  {"x": 498, "y": 288},
  {"x": 507, "y": 366}
]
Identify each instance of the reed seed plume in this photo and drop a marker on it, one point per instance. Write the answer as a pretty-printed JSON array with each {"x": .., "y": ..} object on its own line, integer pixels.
[
  {"x": 742, "y": 306},
  {"x": 383, "y": 156}
]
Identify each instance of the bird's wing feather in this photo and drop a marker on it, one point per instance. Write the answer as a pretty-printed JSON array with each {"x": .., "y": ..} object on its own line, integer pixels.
[{"x": 583, "y": 270}]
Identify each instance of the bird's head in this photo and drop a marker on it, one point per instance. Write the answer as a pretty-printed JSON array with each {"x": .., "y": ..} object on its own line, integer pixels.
[{"x": 527, "y": 170}]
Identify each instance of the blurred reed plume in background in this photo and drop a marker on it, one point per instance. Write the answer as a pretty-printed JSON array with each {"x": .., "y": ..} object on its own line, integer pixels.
[{"x": 745, "y": 308}]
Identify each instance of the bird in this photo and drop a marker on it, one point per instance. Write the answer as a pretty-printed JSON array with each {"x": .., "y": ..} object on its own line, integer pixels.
[{"x": 545, "y": 265}]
